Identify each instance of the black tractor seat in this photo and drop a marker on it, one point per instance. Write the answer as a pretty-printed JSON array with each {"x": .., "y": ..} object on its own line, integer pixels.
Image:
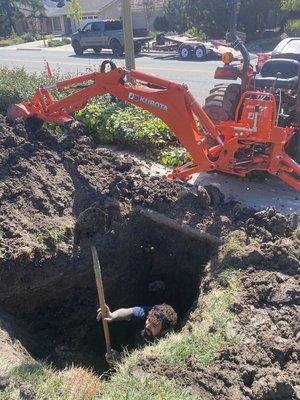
[{"x": 279, "y": 73}]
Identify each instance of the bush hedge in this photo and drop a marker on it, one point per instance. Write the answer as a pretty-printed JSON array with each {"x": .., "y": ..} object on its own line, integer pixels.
[
  {"x": 31, "y": 37},
  {"x": 292, "y": 27},
  {"x": 15, "y": 39},
  {"x": 11, "y": 41},
  {"x": 120, "y": 123},
  {"x": 17, "y": 85},
  {"x": 58, "y": 42}
]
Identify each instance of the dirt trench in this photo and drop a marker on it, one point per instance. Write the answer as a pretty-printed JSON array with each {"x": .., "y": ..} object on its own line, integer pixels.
[{"x": 46, "y": 278}]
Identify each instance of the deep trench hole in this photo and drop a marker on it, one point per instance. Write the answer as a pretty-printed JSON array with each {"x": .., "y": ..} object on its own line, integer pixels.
[{"x": 135, "y": 262}]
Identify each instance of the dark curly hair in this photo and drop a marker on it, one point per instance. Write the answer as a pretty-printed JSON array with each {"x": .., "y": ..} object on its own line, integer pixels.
[{"x": 164, "y": 313}]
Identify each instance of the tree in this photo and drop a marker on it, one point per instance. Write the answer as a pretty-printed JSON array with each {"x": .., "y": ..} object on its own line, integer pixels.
[
  {"x": 254, "y": 14},
  {"x": 290, "y": 5},
  {"x": 161, "y": 24},
  {"x": 291, "y": 22},
  {"x": 75, "y": 11},
  {"x": 11, "y": 11},
  {"x": 176, "y": 13},
  {"x": 209, "y": 16}
]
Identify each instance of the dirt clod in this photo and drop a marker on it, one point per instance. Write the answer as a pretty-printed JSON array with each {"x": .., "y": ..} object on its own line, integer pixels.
[
  {"x": 27, "y": 391},
  {"x": 204, "y": 198},
  {"x": 4, "y": 382},
  {"x": 217, "y": 197}
]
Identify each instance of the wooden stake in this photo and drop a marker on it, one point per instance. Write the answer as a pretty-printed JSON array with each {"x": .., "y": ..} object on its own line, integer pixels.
[
  {"x": 173, "y": 224},
  {"x": 101, "y": 296}
]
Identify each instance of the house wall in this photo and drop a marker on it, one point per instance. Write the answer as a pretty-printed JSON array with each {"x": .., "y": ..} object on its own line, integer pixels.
[
  {"x": 113, "y": 11},
  {"x": 58, "y": 27},
  {"x": 139, "y": 19},
  {"x": 84, "y": 20}
]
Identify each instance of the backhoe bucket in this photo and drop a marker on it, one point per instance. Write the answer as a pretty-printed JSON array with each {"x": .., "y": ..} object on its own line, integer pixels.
[{"x": 16, "y": 111}]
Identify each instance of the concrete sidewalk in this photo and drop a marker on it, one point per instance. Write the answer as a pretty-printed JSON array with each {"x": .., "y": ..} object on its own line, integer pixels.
[{"x": 38, "y": 45}]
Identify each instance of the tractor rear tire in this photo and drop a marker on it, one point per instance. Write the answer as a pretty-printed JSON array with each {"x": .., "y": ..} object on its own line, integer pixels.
[{"x": 222, "y": 102}]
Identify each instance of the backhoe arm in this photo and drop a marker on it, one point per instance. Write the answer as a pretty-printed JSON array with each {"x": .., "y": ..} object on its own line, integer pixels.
[
  {"x": 169, "y": 101},
  {"x": 252, "y": 141}
]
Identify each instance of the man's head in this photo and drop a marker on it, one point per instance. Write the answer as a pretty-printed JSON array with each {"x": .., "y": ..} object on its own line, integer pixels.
[{"x": 160, "y": 320}]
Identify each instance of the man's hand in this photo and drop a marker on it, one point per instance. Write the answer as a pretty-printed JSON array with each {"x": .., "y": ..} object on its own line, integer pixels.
[{"x": 109, "y": 316}]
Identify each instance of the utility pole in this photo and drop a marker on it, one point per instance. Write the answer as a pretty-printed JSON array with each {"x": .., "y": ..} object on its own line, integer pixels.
[{"x": 128, "y": 34}]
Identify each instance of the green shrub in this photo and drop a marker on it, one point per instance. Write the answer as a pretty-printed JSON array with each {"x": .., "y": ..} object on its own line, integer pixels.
[
  {"x": 11, "y": 41},
  {"x": 196, "y": 33},
  {"x": 292, "y": 27},
  {"x": 31, "y": 37},
  {"x": 233, "y": 246},
  {"x": 58, "y": 42},
  {"x": 161, "y": 24},
  {"x": 117, "y": 123},
  {"x": 17, "y": 85},
  {"x": 230, "y": 277},
  {"x": 66, "y": 40}
]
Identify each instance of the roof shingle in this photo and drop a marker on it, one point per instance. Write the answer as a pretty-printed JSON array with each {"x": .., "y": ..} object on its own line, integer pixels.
[{"x": 88, "y": 6}]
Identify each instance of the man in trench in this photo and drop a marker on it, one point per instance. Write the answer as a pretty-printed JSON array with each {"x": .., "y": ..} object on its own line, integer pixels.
[{"x": 158, "y": 321}]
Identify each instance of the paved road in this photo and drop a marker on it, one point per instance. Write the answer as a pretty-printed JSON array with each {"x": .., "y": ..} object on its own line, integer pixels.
[{"x": 197, "y": 75}]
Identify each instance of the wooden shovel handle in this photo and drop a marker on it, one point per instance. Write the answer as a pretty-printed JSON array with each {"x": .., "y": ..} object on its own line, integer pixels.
[{"x": 101, "y": 296}]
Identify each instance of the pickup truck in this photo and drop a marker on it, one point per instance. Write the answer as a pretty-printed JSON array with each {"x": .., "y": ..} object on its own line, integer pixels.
[{"x": 106, "y": 34}]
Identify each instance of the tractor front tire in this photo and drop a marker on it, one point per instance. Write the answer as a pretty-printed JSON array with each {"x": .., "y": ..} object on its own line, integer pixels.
[{"x": 222, "y": 102}]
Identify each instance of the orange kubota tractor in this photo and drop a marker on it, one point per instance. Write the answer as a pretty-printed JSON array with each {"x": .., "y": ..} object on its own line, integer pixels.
[{"x": 244, "y": 127}]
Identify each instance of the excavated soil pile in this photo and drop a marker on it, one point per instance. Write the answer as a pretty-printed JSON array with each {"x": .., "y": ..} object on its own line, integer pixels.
[{"x": 47, "y": 283}]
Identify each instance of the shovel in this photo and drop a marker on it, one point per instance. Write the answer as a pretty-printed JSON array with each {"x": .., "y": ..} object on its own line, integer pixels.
[{"x": 100, "y": 289}]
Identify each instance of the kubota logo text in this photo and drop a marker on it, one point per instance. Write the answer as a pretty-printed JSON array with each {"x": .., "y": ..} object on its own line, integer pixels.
[{"x": 148, "y": 102}]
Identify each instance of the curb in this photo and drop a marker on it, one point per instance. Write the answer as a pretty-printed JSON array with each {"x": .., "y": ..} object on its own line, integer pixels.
[{"x": 29, "y": 49}]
